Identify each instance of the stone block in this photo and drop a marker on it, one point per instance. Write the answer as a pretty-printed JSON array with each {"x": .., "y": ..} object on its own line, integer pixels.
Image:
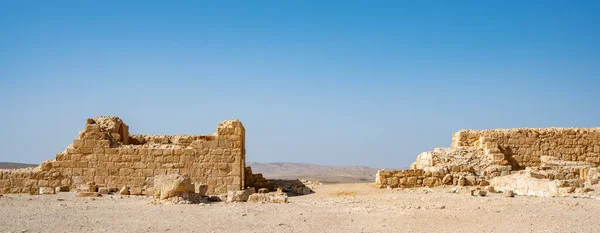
[{"x": 47, "y": 190}]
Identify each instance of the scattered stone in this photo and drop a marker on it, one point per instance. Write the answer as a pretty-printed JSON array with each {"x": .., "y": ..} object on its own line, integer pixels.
[
  {"x": 240, "y": 195},
  {"x": 481, "y": 193},
  {"x": 462, "y": 181},
  {"x": 583, "y": 190},
  {"x": 263, "y": 190},
  {"x": 136, "y": 191},
  {"x": 447, "y": 179},
  {"x": 509, "y": 193},
  {"x": 103, "y": 190},
  {"x": 47, "y": 190},
  {"x": 490, "y": 189},
  {"x": 173, "y": 185},
  {"x": 201, "y": 188},
  {"x": 61, "y": 189},
  {"x": 124, "y": 191}
]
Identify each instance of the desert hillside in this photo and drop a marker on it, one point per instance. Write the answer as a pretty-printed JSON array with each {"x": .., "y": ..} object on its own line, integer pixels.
[
  {"x": 325, "y": 174},
  {"x": 7, "y": 165}
]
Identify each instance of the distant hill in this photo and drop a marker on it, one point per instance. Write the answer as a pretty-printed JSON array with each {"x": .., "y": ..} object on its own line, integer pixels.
[
  {"x": 325, "y": 174},
  {"x": 6, "y": 165}
]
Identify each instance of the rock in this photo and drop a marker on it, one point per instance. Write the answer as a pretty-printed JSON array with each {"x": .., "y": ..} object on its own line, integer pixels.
[
  {"x": 47, "y": 190},
  {"x": 201, "y": 188},
  {"x": 263, "y": 190},
  {"x": 279, "y": 199},
  {"x": 583, "y": 190},
  {"x": 462, "y": 181},
  {"x": 136, "y": 191},
  {"x": 268, "y": 198},
  {"x": 88, "y": 194},
  {"x": 240, "y": 195},
  {"x": 481, "y": 193},
  {"x": 484, "y": 183},
  {"x": 447, "y": 179},
  {"x": 173, "y": 185},
  {"x": 124, "y": 191},
  {"x": 113, "y": 190},
  {"x": 61, "y": 189},
  {"x": 103, "y": 190},
  {"x": 509, "y": 193},
  {"x": 490, "y": 189},
  {"x": 87, "y": 187},
  {"x": 389, "y": 187},
  {"x": 259, "y": 197}
]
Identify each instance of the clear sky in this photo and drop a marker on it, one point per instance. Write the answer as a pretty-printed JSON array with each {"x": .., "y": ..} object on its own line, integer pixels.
[{"x": 338, "y": 83}]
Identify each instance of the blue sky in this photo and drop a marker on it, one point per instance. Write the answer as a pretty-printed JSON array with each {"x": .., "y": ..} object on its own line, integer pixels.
[{"x": 337, "y": 83}]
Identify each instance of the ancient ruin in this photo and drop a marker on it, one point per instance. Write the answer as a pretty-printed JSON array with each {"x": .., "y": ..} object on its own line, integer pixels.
[
  {"x": 108, "y": 156},
  {"x": 538, "y": 162}
]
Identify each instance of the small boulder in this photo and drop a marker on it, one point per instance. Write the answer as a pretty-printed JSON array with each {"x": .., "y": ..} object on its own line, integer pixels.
[
  {"x": 136, "y": 191},
  {"x": 173, "y": 185},
  {"x": 447, "y": 179},
  {"x": 124, "y": 191},
  {"x": 509, "y": 193},
  {"x": 103, "y": 190},
  {"x": 201, "y": 188},
  {"x": 263, "y": 190},
  {"x": 61, "y": 189},
  {"x": 462, "y": 181},
  {"x": 47, "y": 190},
  {"x": 239, "y": 195},
  {"x": 481, "y": 193}
]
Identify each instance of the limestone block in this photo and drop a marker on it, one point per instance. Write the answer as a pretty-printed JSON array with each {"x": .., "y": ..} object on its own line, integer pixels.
[
  {"x": 124, "y": 191},
  {"x": 173, "y": 185},
  {"x": 47, "y": 190},
  {"x": 136, "y": 191},
  {"x": 239, "y": 195}
]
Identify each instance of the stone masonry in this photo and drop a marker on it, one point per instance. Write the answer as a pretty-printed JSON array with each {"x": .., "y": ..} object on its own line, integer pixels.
[
  {"x": 538, "y": 162},
  {"x": 105, "y": 153}
]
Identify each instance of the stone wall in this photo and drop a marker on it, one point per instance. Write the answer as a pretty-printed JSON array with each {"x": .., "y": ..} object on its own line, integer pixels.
[
  {"x": 106, "y": 154},
  {"x": 527, "y": 145}
]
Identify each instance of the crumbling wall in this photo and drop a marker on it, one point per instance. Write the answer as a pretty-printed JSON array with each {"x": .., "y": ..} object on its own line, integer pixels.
[
  {"x": 568, "y": 155},
  {"x": 527, "y": 145},
  {"x": 106, "y": 154}
]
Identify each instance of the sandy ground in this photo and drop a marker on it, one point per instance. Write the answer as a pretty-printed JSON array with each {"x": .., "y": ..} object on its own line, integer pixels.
[{"x": 333, "y": 208}]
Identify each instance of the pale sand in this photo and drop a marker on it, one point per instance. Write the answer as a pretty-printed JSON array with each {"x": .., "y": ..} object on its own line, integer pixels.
[{"x": 333, "y": 208}]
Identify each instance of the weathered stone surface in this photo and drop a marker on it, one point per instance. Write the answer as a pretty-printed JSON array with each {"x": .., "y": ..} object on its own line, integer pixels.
[
  {"x": 558, "y": 161},
  {"x": 108, "y": 155},
  {"x": 239, "y": 195},
  {"x": 509, "y": 193},
  {"x": 268, "y": 198},
  {"x": 103, "y": 190},
  {"x": 47, "y": 190},
  {"x": 124, "y": 191},
  {"x": 201, "y": 188},
  {"x": 173, "y": 185},
  {"x": 263, "y": 190}
]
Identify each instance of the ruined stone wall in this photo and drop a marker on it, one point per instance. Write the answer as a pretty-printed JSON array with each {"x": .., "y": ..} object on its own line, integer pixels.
[
  {"x": 106, "y": 154},
  {"x": 527, "y": 145}
]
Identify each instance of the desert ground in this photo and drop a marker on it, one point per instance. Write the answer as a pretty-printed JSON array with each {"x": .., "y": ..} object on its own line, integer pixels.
[{"x": 332, "y": 208}]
